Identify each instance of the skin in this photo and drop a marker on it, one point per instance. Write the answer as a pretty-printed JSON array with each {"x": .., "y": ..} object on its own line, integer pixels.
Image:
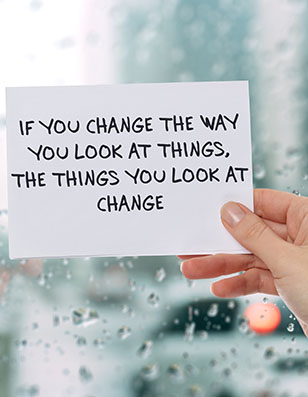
[{"x": 276, "y": 234}]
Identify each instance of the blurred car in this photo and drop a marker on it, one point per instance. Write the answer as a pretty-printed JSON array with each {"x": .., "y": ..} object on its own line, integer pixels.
[{"x": 206, "y": 348}]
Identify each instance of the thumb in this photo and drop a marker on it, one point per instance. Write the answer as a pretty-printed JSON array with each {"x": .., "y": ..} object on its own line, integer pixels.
[{"x": 252, "y": 233}]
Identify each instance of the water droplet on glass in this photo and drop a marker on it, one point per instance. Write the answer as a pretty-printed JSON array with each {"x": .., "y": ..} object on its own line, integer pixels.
[
  {"x": 190, "y": 283},
  {"x": 243, "y": 325},
  {"x": 55, "y": 320},
  {"x": 189, "y": 332},
  {"x": 228, "y": 319},
  {"x": 231, "y": 305},
  {"x": 42, "y": 280},
  {"x": 35, "y": 325},
  {"x": 269, "y": 353},
  {"x": 153, "y": 299},
  {"x": 85, "y": 374},
  {"x": 259, "y": 171},
  {"x": 213, "y": 310},
  {"x": 132, "y": 284},
  {"x": 203, "y": 335},
  {"x": 195, "y": 391},
  {"x": 290, "y": 327},
  {"x": 296, "y": 192},
  {"x": 145, "y": 349},
  {"x": 124, "y": 332},
  {"x": 99, "y": 343},
  {"x": 149, "y": 372},
  {"x": 175, "y": 372},
  {"x": 81, "y": 341},
  {"x": 84, "y": 316},
  {"x": 28, "y": 391},
  {"x": 265, "y": 299},
  {"x": 293, "y": 153},
  {"x": 160, "y": 275},
  {"x": 226, "y": 372},
  {"x": 196, "y": 312}
]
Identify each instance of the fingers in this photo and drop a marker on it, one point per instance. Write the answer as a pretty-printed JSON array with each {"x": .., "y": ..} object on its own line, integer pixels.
[
  {"x": 218, "y": 265},
  {"x": 250, "y": 282},
  {"x": 273, "y": 204},
  {"x": 278, "y": 228},
  {"x": 189, "y": 256},
  {"x": 254, "y": 234}
]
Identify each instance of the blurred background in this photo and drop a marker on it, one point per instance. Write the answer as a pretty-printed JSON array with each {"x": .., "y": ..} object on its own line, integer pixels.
[{"x": 134, "y": 326}]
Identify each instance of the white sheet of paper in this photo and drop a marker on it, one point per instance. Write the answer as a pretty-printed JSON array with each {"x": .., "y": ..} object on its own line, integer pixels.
[{"x": 71, "y": 189}]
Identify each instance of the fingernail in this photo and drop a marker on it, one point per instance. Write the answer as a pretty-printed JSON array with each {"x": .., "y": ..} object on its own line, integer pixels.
[
  {"x": 181, "y": 267},
  {"x": 232, "y": 213}
]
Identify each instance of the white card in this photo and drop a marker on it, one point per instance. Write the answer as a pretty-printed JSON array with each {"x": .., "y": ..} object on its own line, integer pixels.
[{"x": 137, "y": 169}]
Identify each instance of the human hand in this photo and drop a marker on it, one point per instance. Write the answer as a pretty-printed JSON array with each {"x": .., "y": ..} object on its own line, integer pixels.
[{"x": 277, "y": 236}]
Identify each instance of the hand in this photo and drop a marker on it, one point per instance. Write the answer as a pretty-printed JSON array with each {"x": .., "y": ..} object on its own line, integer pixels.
[{"x": 277, "y": 236}]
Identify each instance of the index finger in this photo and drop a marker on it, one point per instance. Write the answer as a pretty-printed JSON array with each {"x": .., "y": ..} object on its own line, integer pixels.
[{"x": 273, "y": 204}]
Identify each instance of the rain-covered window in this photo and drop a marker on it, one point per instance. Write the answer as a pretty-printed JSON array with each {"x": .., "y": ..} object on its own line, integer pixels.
[{"x": 134, "y": 326}]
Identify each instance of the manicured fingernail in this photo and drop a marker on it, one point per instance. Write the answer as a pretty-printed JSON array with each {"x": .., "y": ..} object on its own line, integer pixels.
[{"x": 232, "y": 213}]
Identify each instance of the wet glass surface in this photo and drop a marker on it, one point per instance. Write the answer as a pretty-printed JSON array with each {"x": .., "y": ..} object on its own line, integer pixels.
[{"x": 134, "y": 326}]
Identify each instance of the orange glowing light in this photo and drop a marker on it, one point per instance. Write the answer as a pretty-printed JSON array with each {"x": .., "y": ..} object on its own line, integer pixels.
[{"x": 263, "y": 318}]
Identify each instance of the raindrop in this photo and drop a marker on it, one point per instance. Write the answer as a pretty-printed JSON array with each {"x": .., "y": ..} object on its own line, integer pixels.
[
  {"x": 175, "y": 372},
  {"x": 226, "y": 372},
  {"x": 81, "y": 341},
  {"x": 203, "y": 335},
  {"x": 55, "y": 320},
  {"x": 269, "y": 353},
  {"x": 231, "y": 305},
  {"x": 259, "y": 171},
  {"x": 35, "y": 325},
  {"x": 42, "y": 280},
  {"x": 149, "y": 372},
  {"x": 124, "y": 332},
  {"x": 132, "y": 284},
  {"x": 153, "y": 299},
  {"x": 190, "y": 331},
  {"x": 228, "y": 319},
  {"x": 190, "y": 283},
  {"x": 84, "y": 316},
  {"x": 160, "y": 275},
  {"x": 99, "y": 343},
  {"x": 243, "y": 325},
  {"x": 195, "y": 391},
  {"x": 196, "y": 312},
  {"x": 290, "y": 327},
  {"x": 293, "y": 153},
  {"x": 145, "y": 349},
  {"x": 213, "y": 310},
  {"x": 28, "y": 391},
  {"x": 85, "y": 374}
]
